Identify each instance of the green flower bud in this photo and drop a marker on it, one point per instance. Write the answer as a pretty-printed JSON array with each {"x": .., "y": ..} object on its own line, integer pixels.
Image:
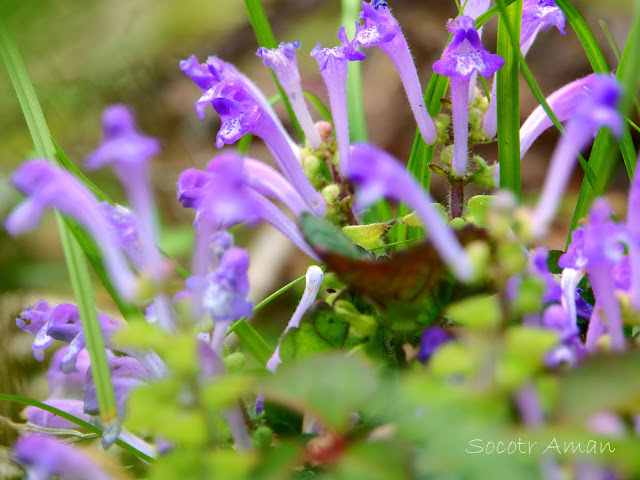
[
  {"x": 443, "y": 122},
  {"x": 330, "y": 193},
  {"x": 446, "y": 155}
]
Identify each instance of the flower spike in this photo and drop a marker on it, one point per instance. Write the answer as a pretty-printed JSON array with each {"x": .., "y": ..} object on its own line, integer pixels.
[
  {"x": 333, "y": 63},
  {"x": 380, "y": 28},
  {"x": 282, "y": 61},
  {"x": 48, "y": 186},
  {"x": 377, "y": 174},
  {"x": 597, "y": 109},
  {"x": 464, "y": 55}
]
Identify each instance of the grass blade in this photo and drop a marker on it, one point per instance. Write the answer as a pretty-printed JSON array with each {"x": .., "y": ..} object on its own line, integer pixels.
[
  {"x": 78, "y": 421},
  {"x": 264, "y": 36},
  {"x": 76, "y": 264},
  {"x": 508, "y": 97},
  {"x": 253, "y": 342}
]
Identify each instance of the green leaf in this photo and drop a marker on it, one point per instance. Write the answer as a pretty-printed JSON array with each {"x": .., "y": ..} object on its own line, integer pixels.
[
  {"x": 379, "y": 460},
  {"x": 78, "y": 421},
  {"x": 478, "y": 208},
  {"x": 76, "y": 264},
  {"x": 602, "y": 383},
  {"x": 324, "y": 235},
  {"x": 329, "y": 387},
  {"x": 479, "y": 311},
  {"x": 321, "y": 330},
  {"x": 367, "y": 236},
  {"x": 508, "y": 97}
]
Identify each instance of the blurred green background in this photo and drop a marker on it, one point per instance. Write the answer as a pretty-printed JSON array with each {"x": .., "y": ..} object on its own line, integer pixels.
[{"x": 83, "y": 56}]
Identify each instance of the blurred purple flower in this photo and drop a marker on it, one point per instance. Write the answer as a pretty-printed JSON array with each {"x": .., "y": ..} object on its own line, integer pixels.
[
  {"x": 597, "y": 247},
  {"x": 48, "y": 186},
  {"x": 464, "y": 55},
  {"x": 43, "y": 418},
  {"x": 597, "y": 109},
  {"x": 376, "y": 174},
  {"x": 431, "y": 339},
  {"x": 44, "y": 456},
  {"x": 126, "y": 374},
  {"x": 231, "y": 191}
]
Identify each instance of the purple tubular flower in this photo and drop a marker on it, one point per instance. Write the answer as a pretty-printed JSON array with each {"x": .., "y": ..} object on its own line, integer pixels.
[
  {"x": 333, "y": 64},
  {"x": 597, "y": 247},
  {"x": 596, "y": 110},
  {"x": 464, "y": 55},
  {"x": 377, "y": 174},
  {"x": 313, "y": 279},
  {"x": 430, "y": 340},
  {"x": 243, "y": 109},
  {"x": 282, "y": 61},
  {"x": 48, "y": 186},
  {"x": 570, "y": 350},
  {"x": 129, "y": 153},
  {"x": 35, "y": 320},
  {"x": 223, "y": 196},
  {"x": 537, "y": 15},
  {"x": 381, "y": 29},
  {"x": 45, "y": 457},
  {"x": 126, "y": 374}
]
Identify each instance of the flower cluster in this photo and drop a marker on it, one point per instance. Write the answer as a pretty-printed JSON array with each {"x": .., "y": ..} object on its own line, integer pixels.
[{"x": 477, "y": 308}]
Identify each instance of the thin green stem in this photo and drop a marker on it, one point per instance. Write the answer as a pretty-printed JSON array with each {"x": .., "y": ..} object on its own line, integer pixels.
[
  {"x": 76, "y": 263},
  {"x": 78, "y": 421}
]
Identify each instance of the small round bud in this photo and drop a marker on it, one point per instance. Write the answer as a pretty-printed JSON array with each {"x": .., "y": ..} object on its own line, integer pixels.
[
  {"x": 235, "y": 361},
  {"x": 330, "y": 193},
  {"x": 446, "y": 155},
  {"x": 324, "y": 129}
]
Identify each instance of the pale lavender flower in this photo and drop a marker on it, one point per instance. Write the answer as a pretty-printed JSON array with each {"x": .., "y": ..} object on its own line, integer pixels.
[
  {"x": 48, "y": 186},
  {"x": 313, "y": 279},
  {"x": 333, "y": 64},
  {"x": 243, "y": 109},
  {"x": 376, "y": 174},
  {"x": 380, "y": 28},
  {"x": 430, "y": 341},
  {"x": 597, "y": 247},
  {"x": 44, "y": 457},
  {"x": 464, "y": 55},
  {"x": 282, "y": 61},
  {"x": 537, "y": 15},
  {"x": 596, "y": 110}
]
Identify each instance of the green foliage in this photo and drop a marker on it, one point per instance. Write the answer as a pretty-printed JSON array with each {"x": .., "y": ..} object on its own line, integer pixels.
[{"x": 306, "y": 387}]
